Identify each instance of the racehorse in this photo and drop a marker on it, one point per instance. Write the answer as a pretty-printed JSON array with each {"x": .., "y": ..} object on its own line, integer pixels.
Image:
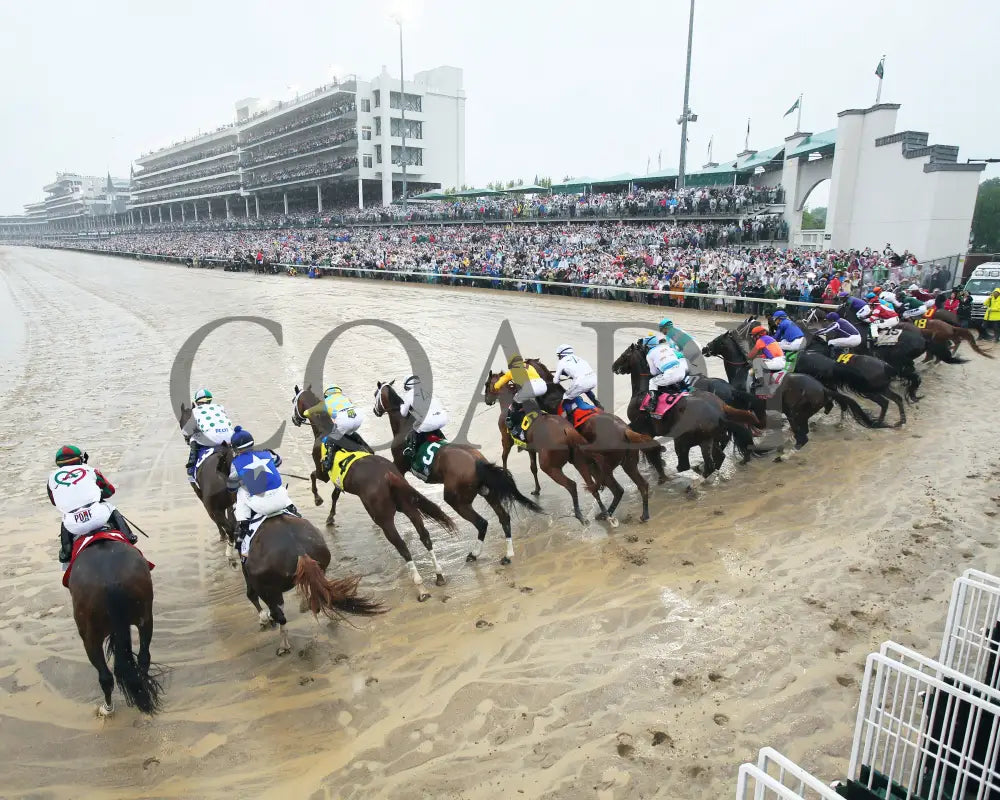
[
  {"x": 695, "y": 420},
  {"x": 285, "y": 552},
  {"x": 801, "y": 395},
  {"x": 551, "y": 440},
  {"x": 381, "y": 488},
  {"x": 907, "y": 349},
  {"x": 464, "y": 472},
  {"x": 210, "y": 486},
  {"x": 610, "y": 444},
  {"x": 112, "y": 590},
  {"x": 938, "y": 331}
]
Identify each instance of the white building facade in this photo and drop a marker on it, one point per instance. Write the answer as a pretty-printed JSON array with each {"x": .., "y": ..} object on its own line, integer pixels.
[{"x": 337, "y": 145}]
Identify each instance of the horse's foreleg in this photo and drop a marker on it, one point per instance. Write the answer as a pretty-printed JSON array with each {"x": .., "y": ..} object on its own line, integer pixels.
[
  {"x": 317, "y": 500},
  {"x": 95, "y": 652},
  {"x": 425, "y": 538},
  {"x": 533, "y": 461},
  {"x": 556, "y": 474}
]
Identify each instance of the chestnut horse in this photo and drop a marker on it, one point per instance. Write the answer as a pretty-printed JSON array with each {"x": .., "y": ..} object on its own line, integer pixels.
[{"x": 464, "y": 472}]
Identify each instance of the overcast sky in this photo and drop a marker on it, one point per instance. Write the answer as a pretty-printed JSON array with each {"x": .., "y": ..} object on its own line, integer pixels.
[{"x": 554, "y": 88}]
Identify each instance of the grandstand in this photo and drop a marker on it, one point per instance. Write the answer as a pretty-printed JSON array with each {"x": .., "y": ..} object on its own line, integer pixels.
[{"x": 339, "y": 144}]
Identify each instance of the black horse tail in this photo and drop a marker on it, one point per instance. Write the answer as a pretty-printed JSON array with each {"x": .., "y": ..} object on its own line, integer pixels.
[
  {"x": 404, "y": 494},
  {"x": 942, "y": 352},
  {"x": 140, "y": 689},
  {"x": 846, "y": 403},
  {"x": 742, "y": 438},
  {"x": 495, "y": 481}
]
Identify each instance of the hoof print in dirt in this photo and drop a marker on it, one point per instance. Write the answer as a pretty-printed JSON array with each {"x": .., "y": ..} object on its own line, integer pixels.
[{"x": 483, "y": 624}]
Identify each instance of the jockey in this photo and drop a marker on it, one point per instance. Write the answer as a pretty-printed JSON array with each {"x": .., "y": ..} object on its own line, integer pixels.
[
  {"x": 581, "y": 374},
  {"x": 345, "y": 417},
  {"x": 856, "y": 304},
  {"x": 428, "y": 415},
  {"x": 80, "y": 492},
  {"x": 766, "y": 354},
  {"x": 890, "y": 301},
  {"x": 532, "y": 387},
  {"x": 208, "y": 426},
  {"x": 915, "y": 307},
  {"x": 789, "y": 335},
  {"x": 680, "y": 338},
  {"x": 255, "y": 478},
  {"x": 840, "y": 333},
  {"x": 667, "y": 366},
  {"x": 883, "y": 318}
]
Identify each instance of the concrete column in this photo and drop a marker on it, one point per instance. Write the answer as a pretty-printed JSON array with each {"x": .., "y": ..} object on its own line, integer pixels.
[
  {"x": 170, "y": 208},
  {"x": 195, "y": 204},
  {"x": 183, "y": 214},
  {"x": 285, "y": 196},
  {"x": 247, "y": 201},
  {"x": 228, "y": 215},
  {"x": 209, "y": 208},
  {"x": 256, "y": 202},
  {"x": 159, "y": 210},
  {"x": 319, "y": 199},
  {"x": 361, "y": 193}
]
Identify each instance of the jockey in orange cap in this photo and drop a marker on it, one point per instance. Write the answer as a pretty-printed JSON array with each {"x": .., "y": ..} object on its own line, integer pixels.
[{"x": 766, "y": 354}]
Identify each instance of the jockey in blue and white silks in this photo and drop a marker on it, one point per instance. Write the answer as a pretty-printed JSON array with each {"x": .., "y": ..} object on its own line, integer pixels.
[
  {"x": 789, "y": 335},
  {"x": 667, "y": 365},
  {"x": 255, "y": 477}
]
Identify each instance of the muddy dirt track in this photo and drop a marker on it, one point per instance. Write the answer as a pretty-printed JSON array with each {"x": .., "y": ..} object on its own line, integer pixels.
[{"x": 648, "y": 661}]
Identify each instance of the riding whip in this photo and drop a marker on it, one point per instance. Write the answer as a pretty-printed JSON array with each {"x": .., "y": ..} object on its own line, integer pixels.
[
  {"x": 293, "y": 475},
  {"x": 133, "y": 525}
]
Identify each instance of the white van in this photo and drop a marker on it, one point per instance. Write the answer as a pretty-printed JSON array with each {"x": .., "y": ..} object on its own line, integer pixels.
[{"x": 984, "y": 279}]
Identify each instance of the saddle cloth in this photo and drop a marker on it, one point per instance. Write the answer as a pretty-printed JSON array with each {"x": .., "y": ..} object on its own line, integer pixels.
[
  {"x": 255, "y": 523},
  {"x": 82, "y": 542},
  {"x": 204, "y": 453},
  {"x": 665, "y": 402},
  {"x": 423, "y": 459}
]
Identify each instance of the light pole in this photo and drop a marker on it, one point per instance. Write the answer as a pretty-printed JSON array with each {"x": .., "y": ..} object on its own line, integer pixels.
[
  {"x": 402, "y": 112},
  {"x": 686, "y": 116}
]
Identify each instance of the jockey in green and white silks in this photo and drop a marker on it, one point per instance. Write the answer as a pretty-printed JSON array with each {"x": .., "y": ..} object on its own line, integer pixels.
[
  {"x": 428, "y": 414},
  {"x": 209, "y": 426}
]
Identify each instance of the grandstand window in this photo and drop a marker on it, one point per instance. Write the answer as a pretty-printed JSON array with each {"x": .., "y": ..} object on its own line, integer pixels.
[
  {"x": 378, "y": 153},
  {"x": 366, "y": 161},
  {"x": 414, "y": 102},
  {"x": 378, "y": 126},
  {"x": 366, "y": 105},
  {"x": 378, "y": 97},
  {"x": 366, "y": 132},
  {"x": 414, "y": 155},
  {"x": 414, "y": 128}
]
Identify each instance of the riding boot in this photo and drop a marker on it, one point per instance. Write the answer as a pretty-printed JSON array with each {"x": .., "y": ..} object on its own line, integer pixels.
[
  {"x": 65, "y": 545},
  {"x": 192, "y": 455},
  {"x": 593, "y": 398},
  {"x": 411, "y": 444},
  {"x": 331, "y": 448},
  {"x": 513, "y": 412},
  {"x": 292, "y": 509},
  {"x": 117, "y": 522},
  {"x": 242, "y": 531}
]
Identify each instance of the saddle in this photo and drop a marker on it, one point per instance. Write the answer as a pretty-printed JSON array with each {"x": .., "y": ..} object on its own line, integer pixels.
[
  {"x": 255, "y": 523},
  {"x": 83, "y": 542},
  {"x": 666, "y": 400}
]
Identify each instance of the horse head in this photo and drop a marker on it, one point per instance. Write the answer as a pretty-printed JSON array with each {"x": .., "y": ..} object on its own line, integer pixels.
[
  {"x": 386, "y": 398},
  {"x": 303, "y": 400},
  {"x": 630, "y": 361},
  {"x": 491, "y": 394},
  {"x": 185, "y": 415}
]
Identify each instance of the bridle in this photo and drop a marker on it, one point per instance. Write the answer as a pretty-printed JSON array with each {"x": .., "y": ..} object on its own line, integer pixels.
[{"x": 297, "y": 418}]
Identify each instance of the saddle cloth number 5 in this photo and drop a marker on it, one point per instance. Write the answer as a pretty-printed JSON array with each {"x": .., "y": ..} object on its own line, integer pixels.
[{"x": 430, "y": 453}]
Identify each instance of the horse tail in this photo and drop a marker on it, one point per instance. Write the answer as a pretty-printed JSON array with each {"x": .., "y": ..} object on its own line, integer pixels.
[
  {"x": 846, "y": 403},
  {"x": 499, "y": 483},
  {"x": 740, "y": 416},
  {"x": 403, "y": 494},
  {"x": 966, "y": 336},
  {"x": 742, "y": 438},
  {"x": 140, "y": 689},
  {"x": 942, "y": 352},
  {"x": 330, "y": 596}
]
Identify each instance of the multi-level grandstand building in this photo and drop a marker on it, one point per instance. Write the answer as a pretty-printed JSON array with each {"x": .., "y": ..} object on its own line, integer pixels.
[
  {"x": 339, "y": 144},
  {"x": 81, "y": 202}
]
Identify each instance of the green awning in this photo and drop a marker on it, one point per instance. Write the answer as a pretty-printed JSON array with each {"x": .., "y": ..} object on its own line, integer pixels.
[
  {"x": 434, "y": 194},
  {"x": 761, "y": 158},
  {"x": 659, "y": 176},
  {"x": 532, "y": 189},
  {"x": 824, "y": 143},
  {"x": 477, "y": 193}
]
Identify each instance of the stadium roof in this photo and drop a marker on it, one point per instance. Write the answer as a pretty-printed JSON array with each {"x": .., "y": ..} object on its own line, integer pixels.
[
  {"x": 824, "y": 142},
  {"x": 761, "y": 158}
]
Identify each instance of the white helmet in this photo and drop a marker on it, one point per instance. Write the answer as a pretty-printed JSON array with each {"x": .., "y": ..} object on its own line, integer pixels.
[
  {"x": 913, "y": 286},
  {"x": 564, "y": 350}
]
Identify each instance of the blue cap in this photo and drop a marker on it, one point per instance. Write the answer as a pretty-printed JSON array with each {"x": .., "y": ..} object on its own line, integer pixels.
[
  {"x": 666, "y": 323},
  {"x": 833, "y": 316},
  {"x": 779, "y": 314}
]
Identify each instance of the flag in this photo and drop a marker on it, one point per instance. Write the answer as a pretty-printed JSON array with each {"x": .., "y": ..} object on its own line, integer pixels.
[
  {"x": 880, "y": 70},
  {"x": 795, "y": 105}
]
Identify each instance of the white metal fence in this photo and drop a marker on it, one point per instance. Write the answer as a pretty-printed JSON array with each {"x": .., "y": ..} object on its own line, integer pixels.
[
  {"x": 972, "y": 629},
  {"x": 775, "y": 777}
]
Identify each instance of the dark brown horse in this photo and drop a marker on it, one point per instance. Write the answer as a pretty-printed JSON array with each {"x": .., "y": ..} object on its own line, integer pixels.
[
  {"x": 211, "y": 477},
  {"x": 938, "y": 331},
  {"x": 112, "y": 590},
  {"x": 610, "y": 444},
  {"x": 464, "y": 472},
  {"x": 382, "y": 489},
  {"x": 288, "y": 551},
  {"x": 551, "y": 440}
]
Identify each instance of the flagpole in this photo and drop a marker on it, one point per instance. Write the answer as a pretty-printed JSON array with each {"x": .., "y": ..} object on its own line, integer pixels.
[
  {"x": 798, "y": 121},
  {"x": 746, "y": 143},
  {"x": 878, "y": 92}
]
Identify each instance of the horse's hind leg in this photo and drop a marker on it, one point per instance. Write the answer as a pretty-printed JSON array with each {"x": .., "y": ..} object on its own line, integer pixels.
[
  {"x": 883, "y": 404},
  {"x": 385, "y": 519},
  {"x": 468, "y": 513},
  {"x": 263, "y": 615},
  {"x": 504, "y": 517},
  {"x": 425, "y": 538},
  {"x": 145, "y": 638},
  {"x": 899, "y": 404},
  {"x": 617, "y": 492},
  {"x": 334, "y": 497},
  {"x": 95, "y": 652},
  {"x": 556, "y": 474},
  {"x": 631, "y": 467},
  {"x": 276, "y": 605}
]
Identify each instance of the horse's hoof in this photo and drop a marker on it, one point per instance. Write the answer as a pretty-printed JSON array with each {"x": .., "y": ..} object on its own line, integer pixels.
[
  {"x": 536, "y": 492},
  {"x": 264, "y": 617},
  {"x": 439, "y": 580},
  {"x": 423, "y": 596},
  {"x": 317, "y": 501},
  {"x": 583, "y": 519},
  {"x": 644, "y": 518},
  {"x": 600, "y": 517},
  {"x": 613, "y": 521},
  {"x": 283, "y": 651},
  {"x": 105, "y": 710},
  {"x": 330, "y": 523},
  {"x": 470, "y": 558},
  {"x": 661, "y": 480},
  {"x": 234, "y": 564},
  {"x": 505, "y": 561}
]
